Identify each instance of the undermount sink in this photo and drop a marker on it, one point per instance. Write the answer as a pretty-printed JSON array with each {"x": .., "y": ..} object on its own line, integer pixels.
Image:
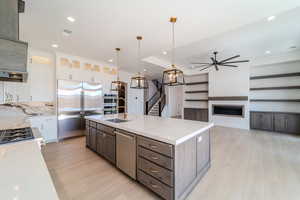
[{"x": 117, "y": 120}]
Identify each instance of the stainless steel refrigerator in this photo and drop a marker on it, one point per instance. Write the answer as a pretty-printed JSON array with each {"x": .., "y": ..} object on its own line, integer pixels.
[{"x": 75, "y": 100}]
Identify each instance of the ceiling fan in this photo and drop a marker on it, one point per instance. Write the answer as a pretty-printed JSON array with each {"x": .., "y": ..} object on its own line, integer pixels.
[{"x": 227, "y": 62}]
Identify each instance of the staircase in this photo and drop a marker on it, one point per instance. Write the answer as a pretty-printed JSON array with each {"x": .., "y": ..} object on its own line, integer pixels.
[
  {"x": 156, "y": 104},
  {"x": 154, "y": 111}
]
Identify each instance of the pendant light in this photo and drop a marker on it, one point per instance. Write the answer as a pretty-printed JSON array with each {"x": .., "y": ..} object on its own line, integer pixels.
[
  {"x": 116, "y": 85},
  {"x": 173, "y": 76},
  {"x": 139, "y": 81}
]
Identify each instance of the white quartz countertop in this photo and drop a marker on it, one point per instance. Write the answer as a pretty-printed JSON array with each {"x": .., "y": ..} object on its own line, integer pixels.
[
  {"x": 168, "y": 130},
  {"x": 24, "y": 174}
]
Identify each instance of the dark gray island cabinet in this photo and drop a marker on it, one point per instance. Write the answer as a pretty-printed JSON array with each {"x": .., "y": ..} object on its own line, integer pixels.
[{"x": 169, "y": 170}]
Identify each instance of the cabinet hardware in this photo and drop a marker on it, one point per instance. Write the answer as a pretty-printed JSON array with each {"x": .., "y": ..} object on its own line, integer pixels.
[
  {"x": 152, "y": 146},
  {"x": 154, "y": 158},
  {"x": 154, "y": 171},
  {"x": 286, "y": 123},
  {"x": 154, "y": 185}
]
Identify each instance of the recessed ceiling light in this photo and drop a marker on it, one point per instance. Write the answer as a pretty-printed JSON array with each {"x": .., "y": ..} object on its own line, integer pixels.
[
  {"x": 193, "y": 66},
  {"x": 71, "y": 19},
  {"x": 55, "y": 45},
  {"x": 271, "y": 18},
  {"x": 145, "y": 70},
  {"x": 67, "y": 32},
  {"x": 110, "y": 60},
  {"x": 165, "y": 53},
  {"x": 268, "y": 52}
]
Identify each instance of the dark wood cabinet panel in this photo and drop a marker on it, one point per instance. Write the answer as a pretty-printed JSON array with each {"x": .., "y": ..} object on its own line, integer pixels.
[
  {"x": 93, "y": 138},
  {"x": 109, "y": 147},
  {"x": 100, "y": 143},
  {"x": 87, "y": 136},
  {"x": 196, "y": 114},
  {"x": 261, "y": 121},
  {"x": 276, "y": 121}
]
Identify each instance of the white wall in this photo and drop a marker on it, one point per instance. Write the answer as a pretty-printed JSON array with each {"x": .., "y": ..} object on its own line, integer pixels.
[
  {"x": 152, "y": 89},
  {"x": 230, "y": 82}
]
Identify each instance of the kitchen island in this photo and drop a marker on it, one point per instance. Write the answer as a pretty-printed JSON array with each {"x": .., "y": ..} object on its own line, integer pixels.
[{"x": 168, "y": 156}]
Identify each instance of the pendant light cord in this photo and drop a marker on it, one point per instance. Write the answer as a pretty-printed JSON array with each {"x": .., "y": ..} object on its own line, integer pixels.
[
  {"x": 117, "y": 63},
  {"x": 173, "y": 44},
  {"x": 139, "y": 53}
]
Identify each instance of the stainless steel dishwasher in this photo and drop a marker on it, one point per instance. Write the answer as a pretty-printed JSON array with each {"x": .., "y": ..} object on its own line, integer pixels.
[{"x": 126, "y": 152}]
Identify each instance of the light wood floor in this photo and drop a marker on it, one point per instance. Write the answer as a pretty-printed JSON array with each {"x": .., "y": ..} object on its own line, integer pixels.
[{"x": 246, "y": 165}]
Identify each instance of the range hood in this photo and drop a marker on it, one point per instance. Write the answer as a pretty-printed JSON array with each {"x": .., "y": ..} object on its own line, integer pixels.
[{"x": 13, "y": 52}]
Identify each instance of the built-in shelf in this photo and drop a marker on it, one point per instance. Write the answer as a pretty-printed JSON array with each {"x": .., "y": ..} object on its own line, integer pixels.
[
  {"x": 197, "y": 83},
  {"x": 275, "y": 100},
  {"x": 277, "y": 88},
  {"x": 196, "y": 91},
  {"x": 228, "y": 98},
  {"x": 196, "y": 100},
  {"x": 275, "y": 76}
]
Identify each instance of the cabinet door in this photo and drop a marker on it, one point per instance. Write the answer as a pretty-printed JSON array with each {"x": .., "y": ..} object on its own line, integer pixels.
[
  {"x": 93, "y": 139},
  {"x": 262, "y": 121},
  {"x": 280, "y": 124},
  {"x": 50, "y": 129},
  {"x": 203, "y": 151},
  {"x": 100, "y": 143},
  {"x": 87, "y": 136},
  {"x": 293, "y": 123},
  {"x": 110, "y": 147},
  {"x": 190, "y": 114}
]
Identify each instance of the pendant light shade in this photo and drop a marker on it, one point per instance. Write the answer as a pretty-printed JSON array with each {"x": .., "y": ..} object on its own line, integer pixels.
[
  {"x": 139, "y": 81},
  {"x": 116, "y": 85},
  {"x": 173, "y": 76}
]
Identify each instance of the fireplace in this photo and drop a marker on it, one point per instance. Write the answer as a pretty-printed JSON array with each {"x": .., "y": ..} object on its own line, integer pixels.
[{"x": 228, "y": 110}]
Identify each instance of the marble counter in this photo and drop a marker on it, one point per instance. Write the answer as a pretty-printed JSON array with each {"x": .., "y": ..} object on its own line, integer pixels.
[
  {"x": 24, "y": 174},
  {"x": 168, "y": 130}
]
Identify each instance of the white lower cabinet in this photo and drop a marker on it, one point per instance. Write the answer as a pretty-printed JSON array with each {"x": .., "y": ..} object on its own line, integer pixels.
[{"x": 47, "y": 125}]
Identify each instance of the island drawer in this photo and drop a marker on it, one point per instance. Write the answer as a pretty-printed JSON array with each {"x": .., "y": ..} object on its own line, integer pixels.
[
  {"x": 157, "y": 158},
  {"x": 106, "y": 129},
  {"x": 162, "y": 174},
  {"x": 159, "y": 188},
  {"x": 160, "y": 147},
  {"x": 93, "y": 124}
]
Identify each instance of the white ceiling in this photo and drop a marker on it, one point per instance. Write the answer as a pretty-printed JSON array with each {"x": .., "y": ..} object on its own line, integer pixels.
[{"x": 102, "y": 25}]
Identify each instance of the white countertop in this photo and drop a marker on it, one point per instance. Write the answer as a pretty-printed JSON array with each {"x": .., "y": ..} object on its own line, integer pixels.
[
  {"x": 168, "y": 130},
  {"x": 23, "y": 173}
]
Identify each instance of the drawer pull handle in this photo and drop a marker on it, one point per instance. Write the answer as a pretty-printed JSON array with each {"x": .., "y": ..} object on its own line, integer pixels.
[
  {"x": 153, "y": 146},
  {"x": 154, "y": 171},
  {"x": 154, "y": 185},
  {"x": 155, "y": 158}
]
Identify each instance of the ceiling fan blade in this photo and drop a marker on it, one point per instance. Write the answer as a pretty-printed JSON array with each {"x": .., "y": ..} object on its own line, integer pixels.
[
  {"x": 205, "y": 68},
  {"x": 197, "y": 66},
  {"x": 238, "y": 61},
  {"x": 230, "y": 65},
  {"x": 233, "y": 57},
  {"x": 214, "y": 61},
  {"x": 196, "y": 63}
]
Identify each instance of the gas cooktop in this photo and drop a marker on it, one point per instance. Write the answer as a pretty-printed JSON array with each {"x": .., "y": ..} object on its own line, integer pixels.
[{"x": 15, "y": 135}]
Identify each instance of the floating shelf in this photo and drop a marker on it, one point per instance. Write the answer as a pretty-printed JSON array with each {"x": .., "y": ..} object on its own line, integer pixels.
[
  {"x": 275, "y": 100},
  {"x": 277, "y": 88},
  {"x": 275, "y": 76},
  {"x": 196, "y": 91},
  {"x": 197, "y": 83},
  {"x": 196, "y": 100}
]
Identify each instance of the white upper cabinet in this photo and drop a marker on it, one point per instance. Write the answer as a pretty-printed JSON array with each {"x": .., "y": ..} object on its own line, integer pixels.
[{"x": 41, "y": 70}]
